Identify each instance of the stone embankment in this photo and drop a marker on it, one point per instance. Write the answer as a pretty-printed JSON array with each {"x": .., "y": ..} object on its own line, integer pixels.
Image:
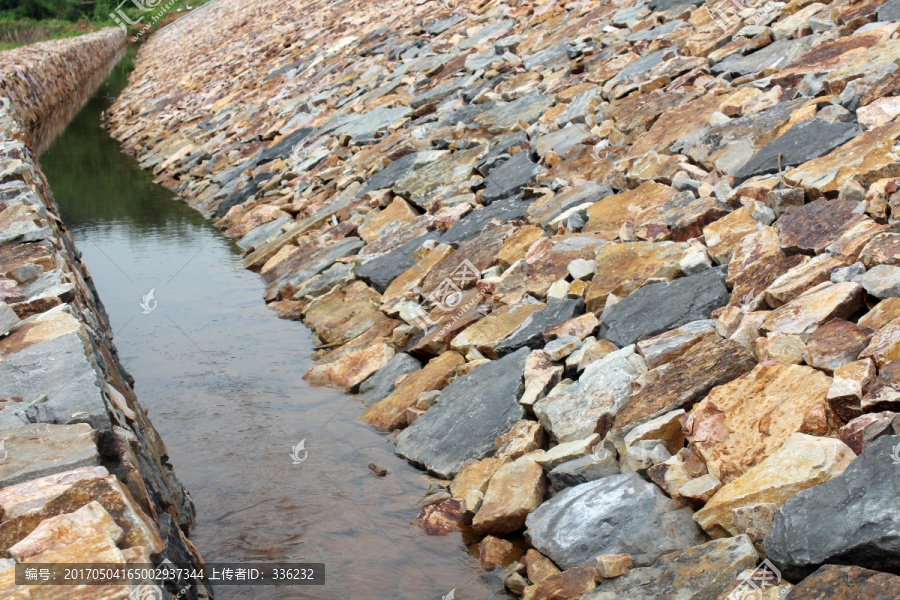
[
  {"x": 626, "y": 275},
  {"x": 84, "y": 477}
]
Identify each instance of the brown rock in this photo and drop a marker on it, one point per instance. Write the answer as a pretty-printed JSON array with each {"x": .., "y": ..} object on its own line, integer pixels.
[
  {"x": 341, "y": 313},
  {"x": 881, "y": 314},
  {"x": 884, "y": 393},
  {"x": 475, "y": 476},
  {"x": 711, "y": 362},
  {"x": 623, "y": 268},
  {"x": 490, "y": 331},
  {"x": 427, "y": 258},
  {"x": 515, "y": 490},
  {"x": 851, "y": 383},
  {"x": 805, "y": 314},
  {"x": 571, "y": 584},
  {"x": 883, "y": 249},
  {"x": 885, "y": 344},
  {"x": 517, "y": 244},
  {"x": 808, "y": 229},
  {"x": 724, "y": 236},
  {"x": 865, "y": 429},
  {"x": 580, "y": 327},
  {"x": 741, "y": 423},
  {"x": 398, "y": 211},
  {"x": 612, "y": 565},
  {"x": 800, "y": 463},
  {"x": 494, "y": 552},
  {"x": 834, "y": 581},
  {"x": 347, "y": 372},
  {"x": 636, "y": 206},
  {"x": 851, "y": 243},
  {"x": 390, "y": 413},
  {"x": 538, "y": 566},
  {"x": 524, "y": 437},
  {"x": 836, "y": 343},
  {"x": 761, "y": 247},
  {"x": 797, "y": 280},
  {"x": 440, "y": 519},
  {"x": 91, "y": 520}
]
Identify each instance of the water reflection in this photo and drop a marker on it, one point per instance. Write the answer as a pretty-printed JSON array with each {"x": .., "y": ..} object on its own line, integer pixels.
[{"x": 222, "y": 380}]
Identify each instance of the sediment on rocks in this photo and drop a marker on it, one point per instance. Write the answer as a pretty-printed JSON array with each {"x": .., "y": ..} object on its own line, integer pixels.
[
  {"x": 559, "y": 243},
  {"x": 84, "y": 477}
]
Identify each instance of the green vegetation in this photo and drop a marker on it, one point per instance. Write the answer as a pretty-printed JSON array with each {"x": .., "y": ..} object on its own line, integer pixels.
[{"x": 28, "y": 21}]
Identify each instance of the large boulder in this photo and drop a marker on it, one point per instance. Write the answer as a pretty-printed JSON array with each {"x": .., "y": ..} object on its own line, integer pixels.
[
  {"x": 472, "y": 413},
  {"x": 852, "y": 519},
  {"x": 833, "y": 581},
  {"x": 621, "y": 514}
]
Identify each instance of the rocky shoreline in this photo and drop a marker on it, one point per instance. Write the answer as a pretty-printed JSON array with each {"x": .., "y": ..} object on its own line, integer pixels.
[
  {"x": 624, "y": 275},
  {"x": 84, "y": 477}
]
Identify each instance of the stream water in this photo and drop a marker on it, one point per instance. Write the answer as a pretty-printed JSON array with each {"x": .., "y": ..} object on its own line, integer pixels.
[{"x": 221, "y": 377}]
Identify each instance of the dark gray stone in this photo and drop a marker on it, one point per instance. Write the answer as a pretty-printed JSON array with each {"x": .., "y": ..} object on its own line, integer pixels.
[
  {"x": 851, "y": 519},
  {"x": 544, "y": 58},
  {"x": 584, "y": 469},
  {"x": 769, "y": 57},
  {"x": 437, "y": 94},
  {"x": 712, "y": 570},
  {"x": 589, "y": 191},
  {"x": 382, "y": 270},
  {"x": 651, "y": 34},
  {"x": 367, "y": 124},
  {"x": 441, "y": 25},
  {"x": 659, "y": 307},
  {"x": 469, "y": 227},
  {"x": 259, "y": 235},
  {"x": 471, "y": 414},
  {"x": 802, "y": 142},
  {"x": 381, "y": 384},
  {"x": 889, "y": 11},
  {"x": 324, "y": 259},
  {"x": 499, "y": 152},
  {"x": 391, "y": 174},
  {"x": 642, "y": 65},
  {"x": 620, "y": 514},
  {"x": 528, "y": 334},
  {"x": 283, "y": 148},
  {"x": 509, "y": 178},
  {"x": 241, "y": 195}
]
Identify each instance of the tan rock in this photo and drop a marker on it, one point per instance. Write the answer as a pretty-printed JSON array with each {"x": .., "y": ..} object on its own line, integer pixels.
[
  {"x": 612, "y": 565},
  {"x": 517, "y": 244},
  {"x": 347, "y": 372},
  {"x": 58, "y": 532},
  {"x": 494, "y": 552},
  {"x": 666, "y": 428},
  {"x": 398, "y": 211},
  {"x": 850, "y": 385},
  {"x": 698, "y": 491},
  {"x": 756, "y": 248},
  {"x": 579, "y": 327},
  {"x": 881, "y": 314},
  {"x": 788, "y": 349},
  {"x": 571, "y": 584},
  {"x": 794, "y": 282},
  {"x": 804, "y": 314},
  {"x": 623, "y": 268},
  {"x": 490, "y": 331},
  {"x": 755, "y": 520},
  {"x": 677, "y": 471},
  {"x": 635, "y": 206},
  {"x": 882, "y": 249},
  {"x": 524, "y": 437},
  {"x": 566, "y": 451},
  {"x": 880, "y": 112},
  {"x": 724, "y": 236},
  {"x": 538, "y": 566},
  {"x": 668, "y": 346},
  {"x": 800, "y": 463},
  {"x": 100, "y": 550},
  {"x": 885, "y": 344},
  {"x": 515, "y": 490},
  {"x": 427, "y": 258},
  {"x": 741, "y": 423},
  {"x": 16, "y": 500},
  {"x": 475, "y": 476},
  {"x": 390, "y": 413}
]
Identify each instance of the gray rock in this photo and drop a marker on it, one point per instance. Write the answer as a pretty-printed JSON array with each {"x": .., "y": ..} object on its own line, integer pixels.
[
  {"x": 528, "y": 334},
  {"x": 441, "y": 25},
  {"x": 659, "y": 307},
  {"x": 587, "y": 192},
  {"x": 712, "y": 569},
  {"x": 769, "y": 57},
  {"x": 391, "y": 174},
  {"x": 505, "y": 117},
  {"x": 881, "y": 281},
  {"x": 367, "y": 124},
  {"x": 472, "y": 413},
  {"x": 602, "y": 463},
  {"x": 381, "y": 384},
  {"x": 241, "y": 195},
  {"x": 851, "y": 519},
  {"x": 889, "y": 11},
  {"x": 638, "y": 67},
  {"x": 561, "y": 140},
  {"x": 335, "y": 275},
  {"x": 39, "y": 449},
  {"x": 509, "y": 178},
  {"x": 544, "y": 58},
  {"x": 282, "y": 149},
  {"x": 260, "y": 235},
  {"x": 382, "y": 270},
  {"x": 470, "y": 226},
  {"x": 499, "y": 152},
  {"x": 620, "y": 514},
  {"x": 321, "y": 261},
  {"x": 843, "y": 274},
  {"x": 590, "y": 404},
  {"x": 802, "y": 142},
  {"x": 651, "y": 34},
  {"x": 8, "y": 318}
]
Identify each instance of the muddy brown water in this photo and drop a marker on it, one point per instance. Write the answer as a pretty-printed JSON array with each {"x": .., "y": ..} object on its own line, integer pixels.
[{"x": 221, "y": 377}]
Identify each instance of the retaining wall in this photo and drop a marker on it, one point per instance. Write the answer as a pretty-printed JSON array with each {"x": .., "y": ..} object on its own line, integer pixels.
[{"x": 78, "y": 451}]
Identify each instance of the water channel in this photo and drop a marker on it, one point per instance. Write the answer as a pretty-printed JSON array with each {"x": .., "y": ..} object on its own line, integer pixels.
[{"x": 221, "y": 377}]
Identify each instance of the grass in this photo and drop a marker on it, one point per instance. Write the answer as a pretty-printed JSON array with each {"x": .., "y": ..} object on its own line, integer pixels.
[{"x": 17, "y": 31}]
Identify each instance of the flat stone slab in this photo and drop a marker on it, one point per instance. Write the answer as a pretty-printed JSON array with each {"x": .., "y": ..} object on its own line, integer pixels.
[
  {"x": 852, "y": 518},
  {"x": 40, "y": 449},
  {"x": 659, "y": 307},
  {"x": 509, "y": 178},
  {"x": 381, "y": 384},
  {"x": 621, "y": 514},
  {"x": 836, "y": 581},
  {"x": 530, "y": 333},
  {"x": 471, "y": 414}
]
